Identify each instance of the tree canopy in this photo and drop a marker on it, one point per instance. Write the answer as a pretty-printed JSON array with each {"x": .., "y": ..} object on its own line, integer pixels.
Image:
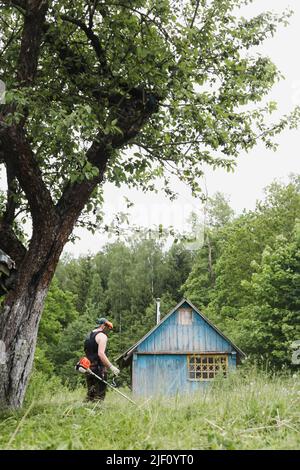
[{"x": 90, "y": 80}]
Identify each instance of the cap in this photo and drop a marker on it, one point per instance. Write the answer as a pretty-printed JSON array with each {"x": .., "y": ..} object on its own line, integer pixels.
[{"x": 104, "y": 321}]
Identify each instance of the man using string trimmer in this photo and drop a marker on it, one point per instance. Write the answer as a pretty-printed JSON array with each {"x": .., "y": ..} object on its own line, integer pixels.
[
  {"x": 94, "y": 347},
  {"x": 84, "y": 366}
]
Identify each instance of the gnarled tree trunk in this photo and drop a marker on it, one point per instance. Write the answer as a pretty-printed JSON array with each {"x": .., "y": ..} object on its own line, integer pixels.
[
  {"x": 21, "y": 314},
  {"x": 20, "y": 322}
]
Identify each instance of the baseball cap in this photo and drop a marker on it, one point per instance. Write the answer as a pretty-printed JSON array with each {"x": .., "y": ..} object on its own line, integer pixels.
[{"x": 104, "y": 321}]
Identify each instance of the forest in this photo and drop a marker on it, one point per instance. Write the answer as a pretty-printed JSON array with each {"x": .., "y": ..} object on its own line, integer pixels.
[{"x": 245, "y": 277}]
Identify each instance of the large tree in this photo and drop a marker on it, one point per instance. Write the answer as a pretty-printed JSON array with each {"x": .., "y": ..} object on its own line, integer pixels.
[{"x": 112, "y": 91}]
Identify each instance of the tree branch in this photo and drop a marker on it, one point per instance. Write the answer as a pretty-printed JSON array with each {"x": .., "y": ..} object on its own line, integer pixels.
[
  {"x": 132, "y": 114},
  {"x": 146, "y": 17},
  {"x": 75, "y": 195},
  {"x": 14, "y": 3},
  {"x": 94, "y": 40},
  {"x": 17, "y": 153},
  {"x": 91, "y": 10},
  {"x": 14, "y": 148},
  {"x": 9, "y": 214},
  {"x": 75, "y": 64},
  {"x": 31, "y": 39},
  {"x": 195, "y": 13},
  {"x": 10, "y": 40},
  {"x": 10, "y": 243},
  {"x": 170, "y": 144}
]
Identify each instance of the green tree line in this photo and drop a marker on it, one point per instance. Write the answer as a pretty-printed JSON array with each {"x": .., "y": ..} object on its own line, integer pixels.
[
  {"x": 250, "y": 283},
  {"x": 245, "y": 277},
  {"x": 120, "y": 282}
]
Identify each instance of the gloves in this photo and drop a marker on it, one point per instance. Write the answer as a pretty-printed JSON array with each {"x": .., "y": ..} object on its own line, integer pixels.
[{"x": 114, "y": 369}]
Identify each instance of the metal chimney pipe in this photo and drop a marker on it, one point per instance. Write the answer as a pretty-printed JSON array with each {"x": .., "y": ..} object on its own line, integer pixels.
[{"x": 157, "y": 310}]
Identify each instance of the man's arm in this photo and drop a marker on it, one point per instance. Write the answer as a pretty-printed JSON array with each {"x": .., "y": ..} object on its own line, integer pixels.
[{"x": 101, "y": 340}]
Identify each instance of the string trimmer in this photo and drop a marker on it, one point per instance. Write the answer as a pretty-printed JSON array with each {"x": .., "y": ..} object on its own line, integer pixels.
[{"x": 84, "y": 365}]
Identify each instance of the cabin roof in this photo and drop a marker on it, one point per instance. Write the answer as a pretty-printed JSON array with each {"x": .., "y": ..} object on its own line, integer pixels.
[{"x": 128, "y": 353}]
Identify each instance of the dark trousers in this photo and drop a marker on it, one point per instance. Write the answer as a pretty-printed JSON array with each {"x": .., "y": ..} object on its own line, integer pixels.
[{"x": 96, "y": 389}]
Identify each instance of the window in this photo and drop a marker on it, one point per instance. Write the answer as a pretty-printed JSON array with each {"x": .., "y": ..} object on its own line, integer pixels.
[
  {"x": 185, "y": 316},
  {"x": 206, "y": 366}
]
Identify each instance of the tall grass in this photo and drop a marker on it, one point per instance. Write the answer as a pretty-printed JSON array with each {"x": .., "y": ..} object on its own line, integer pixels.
[{"x": 248, "y": 410}]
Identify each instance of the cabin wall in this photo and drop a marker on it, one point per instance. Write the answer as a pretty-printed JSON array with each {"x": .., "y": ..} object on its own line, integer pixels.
[
  {"x": 170, "y": 336},
  {"x": 159, "y": 363},
  {"x": 166, "y": 375}
]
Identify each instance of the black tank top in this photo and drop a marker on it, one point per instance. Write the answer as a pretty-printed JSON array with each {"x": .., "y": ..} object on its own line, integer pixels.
[{"x": 91, "y": 346}]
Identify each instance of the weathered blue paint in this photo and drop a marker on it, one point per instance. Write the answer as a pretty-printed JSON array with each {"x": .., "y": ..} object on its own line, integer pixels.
[
  {"x": 170, "y": 336},
  {"x": 159, "y": 361}
]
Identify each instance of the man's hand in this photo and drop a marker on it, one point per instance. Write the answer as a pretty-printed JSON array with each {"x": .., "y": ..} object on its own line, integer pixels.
[{"x": 114, "y": 370}]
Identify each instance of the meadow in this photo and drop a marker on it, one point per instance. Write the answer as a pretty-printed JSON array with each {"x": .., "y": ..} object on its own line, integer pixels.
[{"x": 248, "y": 410}]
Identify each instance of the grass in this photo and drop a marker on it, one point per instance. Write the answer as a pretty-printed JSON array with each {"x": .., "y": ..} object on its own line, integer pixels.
[{"x": 250, "y": 410}]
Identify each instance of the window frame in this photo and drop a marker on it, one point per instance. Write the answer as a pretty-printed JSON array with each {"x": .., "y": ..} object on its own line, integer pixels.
[
  {"x": 206, "y": 355},
  {"x": 181, "y": 314}
]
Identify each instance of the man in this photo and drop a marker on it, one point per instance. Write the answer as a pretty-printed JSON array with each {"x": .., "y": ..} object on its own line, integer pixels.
[{"x": 94, "y": 347}]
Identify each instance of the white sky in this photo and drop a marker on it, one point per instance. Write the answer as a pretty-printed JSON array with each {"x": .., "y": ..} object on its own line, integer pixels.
[{"x": 254, "y": 170}]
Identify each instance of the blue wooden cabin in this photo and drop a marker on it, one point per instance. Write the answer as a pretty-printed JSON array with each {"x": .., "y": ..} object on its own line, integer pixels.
[{"x": 181, "y": 354}]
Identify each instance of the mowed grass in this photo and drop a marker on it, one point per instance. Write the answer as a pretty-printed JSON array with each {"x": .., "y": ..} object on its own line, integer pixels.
[{"x": 249, "y": 410}]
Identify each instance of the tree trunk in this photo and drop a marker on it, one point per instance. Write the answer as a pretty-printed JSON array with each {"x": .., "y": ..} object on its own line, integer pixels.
[
  {"x": 18, "y": 343},
  {"x": 21, "y": 314}
]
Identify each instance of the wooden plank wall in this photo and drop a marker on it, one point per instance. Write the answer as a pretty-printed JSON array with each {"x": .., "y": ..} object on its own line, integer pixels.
[
  {"x": 171, "y": 336},
  {"x": 167, "y": 374}
]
